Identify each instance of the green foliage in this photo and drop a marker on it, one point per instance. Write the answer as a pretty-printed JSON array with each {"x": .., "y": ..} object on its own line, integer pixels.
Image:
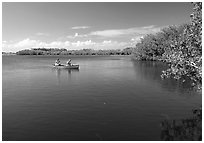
[{"x": 179, "y": 46}]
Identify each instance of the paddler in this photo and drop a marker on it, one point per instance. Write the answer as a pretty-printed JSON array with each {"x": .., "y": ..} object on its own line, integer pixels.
[
  {"x": 69, "y": 62},
  {"x": 57, "y": 62}
]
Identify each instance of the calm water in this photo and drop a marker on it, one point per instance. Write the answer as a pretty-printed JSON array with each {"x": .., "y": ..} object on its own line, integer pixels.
[{"x": 108, "y": 98}]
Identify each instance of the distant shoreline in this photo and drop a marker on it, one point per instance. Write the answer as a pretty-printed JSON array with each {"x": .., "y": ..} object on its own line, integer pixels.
[
  {"x": 63, "y": 51},
  {"x": 62, "y": 55},
  {"x": 8, "y": 54}
]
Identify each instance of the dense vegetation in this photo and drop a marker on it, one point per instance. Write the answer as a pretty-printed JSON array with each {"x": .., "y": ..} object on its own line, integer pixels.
[
  {"x": 179, "y": 46},
  {"x": 8, "y": 53},
  {"x": 56, "y": 51}
]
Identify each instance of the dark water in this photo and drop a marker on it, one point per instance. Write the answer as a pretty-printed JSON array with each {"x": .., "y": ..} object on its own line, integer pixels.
[{"x": 108, "y": 98}]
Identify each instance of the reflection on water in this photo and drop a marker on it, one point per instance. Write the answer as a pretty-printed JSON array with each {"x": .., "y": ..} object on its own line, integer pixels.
[
  {"x": 110, "y": 98},
  {"x": 65, "y": 72},
  {"x": 152, "y": 71},
  {"x": 189, "y": 129}
]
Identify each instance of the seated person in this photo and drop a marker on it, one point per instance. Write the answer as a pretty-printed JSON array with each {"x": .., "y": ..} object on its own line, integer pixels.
[
  {"x": 57, "y": 62},
  {"x": 69, "y": 62}
]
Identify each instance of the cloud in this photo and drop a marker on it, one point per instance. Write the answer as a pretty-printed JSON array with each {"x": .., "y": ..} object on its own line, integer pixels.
[
  {"x": 107, "y": 42},
  {"x": 76, "y": 35},
  {"x": 54, "y": 44},
  {"x": 25, "y": 43},
  {"x": 80, "y": 27},
  {"x": 42, "y": 34},
  {"x": 13, "y": 47},
  {"x": 136, "y": 39},
  {"x": 112, "y": 39},
  {"x": 28, "y": 44},
  {"x": 4, "y": 43},
  {"x": 112, "y": 45},
  {"x": 83, "y": 43},
  {"x": 124, "y": 32},
  {"x": 107, "y": 33},
  {"x": 86, "y": 44},
  {"x": 148, "y": 27}
]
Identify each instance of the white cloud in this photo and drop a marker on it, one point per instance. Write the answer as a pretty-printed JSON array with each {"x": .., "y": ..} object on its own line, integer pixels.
[
  {"x": 87, "y": 44},
  {"x": 13, "y": 47},
  {"x": 4, "y": 43},
  {"x": 124, "y": 32},
  {"x": 80, "y": 27},
  {"x": 112, "y": 45},
  {"x": 25, "y": 43},
  {"x": 83, "y": 43},
  {"x": 107, "y": 33},
  {"x": 67, "y": 43},
  {"x": 107, "y": 42},
  {"x": 112, "y": 39},
  {"x": 54, "y": 44},
  {"x": 76, "y": 35},
  {"x": 136, "y": 39},
  {"x": 42, "y": 34},
  {"x": 148, "y": 27},
  {"x": 28, "y": 44}
]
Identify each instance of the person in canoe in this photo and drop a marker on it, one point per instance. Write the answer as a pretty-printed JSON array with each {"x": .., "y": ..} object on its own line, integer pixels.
[
  {"x": 57, "y": 62},
  {"x": 69, "y": 62}
]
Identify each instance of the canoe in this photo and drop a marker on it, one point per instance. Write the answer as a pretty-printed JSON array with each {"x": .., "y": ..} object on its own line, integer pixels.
[{"x": 73, "y": 66}]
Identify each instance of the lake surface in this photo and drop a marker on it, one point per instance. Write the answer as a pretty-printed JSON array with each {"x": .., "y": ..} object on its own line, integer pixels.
[{"x": 109, "y": 98}]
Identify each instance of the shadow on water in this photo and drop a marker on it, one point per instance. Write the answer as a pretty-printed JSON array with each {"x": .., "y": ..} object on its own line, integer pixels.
[
  {"x": 189, "y": 129},
  {"x": 152, "y": 71}
]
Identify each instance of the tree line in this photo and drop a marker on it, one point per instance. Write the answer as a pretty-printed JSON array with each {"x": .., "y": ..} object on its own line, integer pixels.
[
  {"x": 179, "y": 46},
  {"x": 57, "y": 51}
]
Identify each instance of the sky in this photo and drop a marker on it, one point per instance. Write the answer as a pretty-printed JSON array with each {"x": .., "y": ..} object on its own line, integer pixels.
[{"x": 82, "y": 25}]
